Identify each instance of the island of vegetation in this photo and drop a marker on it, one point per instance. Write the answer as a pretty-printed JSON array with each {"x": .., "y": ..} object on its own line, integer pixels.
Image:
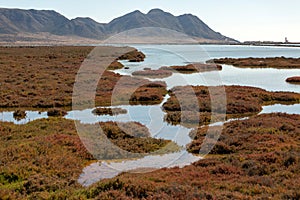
[
  {"x": 55, "y": 112},
  {"x": 148, "y": 73},
  {"x": 133, "y": 56},
  {"x": 277, "y": 62},
  {"x": 132, "y": 137},
  {"x": 294, "y": 80},
  {"x": 109, "y": 111},
  {"x": 19, "y": 115},
  {"x": 115, "y": 65},
  {"x": 193, "y": 68},
  {"x": 241, "y": 101}
]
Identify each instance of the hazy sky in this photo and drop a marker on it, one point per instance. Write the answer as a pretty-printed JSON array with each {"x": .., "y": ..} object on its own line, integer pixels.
[{"x": 239, "y": 19}]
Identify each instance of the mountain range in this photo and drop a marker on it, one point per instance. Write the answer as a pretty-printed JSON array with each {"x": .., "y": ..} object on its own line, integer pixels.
[{"x": 15, "y": 23}]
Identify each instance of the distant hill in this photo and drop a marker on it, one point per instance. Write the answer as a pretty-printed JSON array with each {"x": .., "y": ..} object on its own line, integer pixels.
[
  {"x": 16, "y": 22},
  {"x": 83, "y": 27}
]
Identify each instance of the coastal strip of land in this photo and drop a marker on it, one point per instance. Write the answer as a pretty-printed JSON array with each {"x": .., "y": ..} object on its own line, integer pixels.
[{"x": 276, "y": 62}]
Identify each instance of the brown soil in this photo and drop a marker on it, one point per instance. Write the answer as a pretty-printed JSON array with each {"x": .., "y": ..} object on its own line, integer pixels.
[
  {"x": 193, "y": 68},
  {"x": 295, "y": 79},
  {"x": 277, "y": 62},
  {"x": 241, "y": 101}
]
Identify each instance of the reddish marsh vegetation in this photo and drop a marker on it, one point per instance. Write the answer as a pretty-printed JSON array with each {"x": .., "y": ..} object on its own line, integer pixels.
[
  {"x": 54, "y": 112},
  {"x": 193, "y": 68},
  {"x": 164, "y": 72},
  {"x": 40, "y": 158},
  {"x": 115, "y": 65},
  {"x": 295, "y": 79},
  {"x": 153, "y": 73},
  {"x": 19, "y": 114},
  {"x": 44, "y": 158},
  {"x": 259, "y": 134},
  {"x": 277, "y": 62},
  {"x": 109, "y": 111},
  {"x": 240, "y": 102},
  {"x": 132, "y": 137},
  {"x": 255, "y": 158},
  {"x": 133, "y": 56},
  {"x": 39, "y": 76},
  {"x": 264, "y": 162},
  {"x": 43, "y": 77},
  {"x": 148, "y": 93}
]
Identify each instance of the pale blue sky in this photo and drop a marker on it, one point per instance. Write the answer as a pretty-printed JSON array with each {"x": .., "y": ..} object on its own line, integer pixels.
[{"x": 239, "y": 19}]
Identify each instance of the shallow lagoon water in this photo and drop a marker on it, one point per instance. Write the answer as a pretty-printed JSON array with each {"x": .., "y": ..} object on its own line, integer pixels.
[
  {"x": 156, "y": 129},
  {"x": 168, "y": 55},
  {"x": 152, "y": 116},
  {"x": 30, "y": 116},
  {"x": 290, "y": 109}
]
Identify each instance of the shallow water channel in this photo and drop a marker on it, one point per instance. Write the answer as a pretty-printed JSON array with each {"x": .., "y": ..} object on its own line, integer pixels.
[{"x": 153, "y": 116}]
